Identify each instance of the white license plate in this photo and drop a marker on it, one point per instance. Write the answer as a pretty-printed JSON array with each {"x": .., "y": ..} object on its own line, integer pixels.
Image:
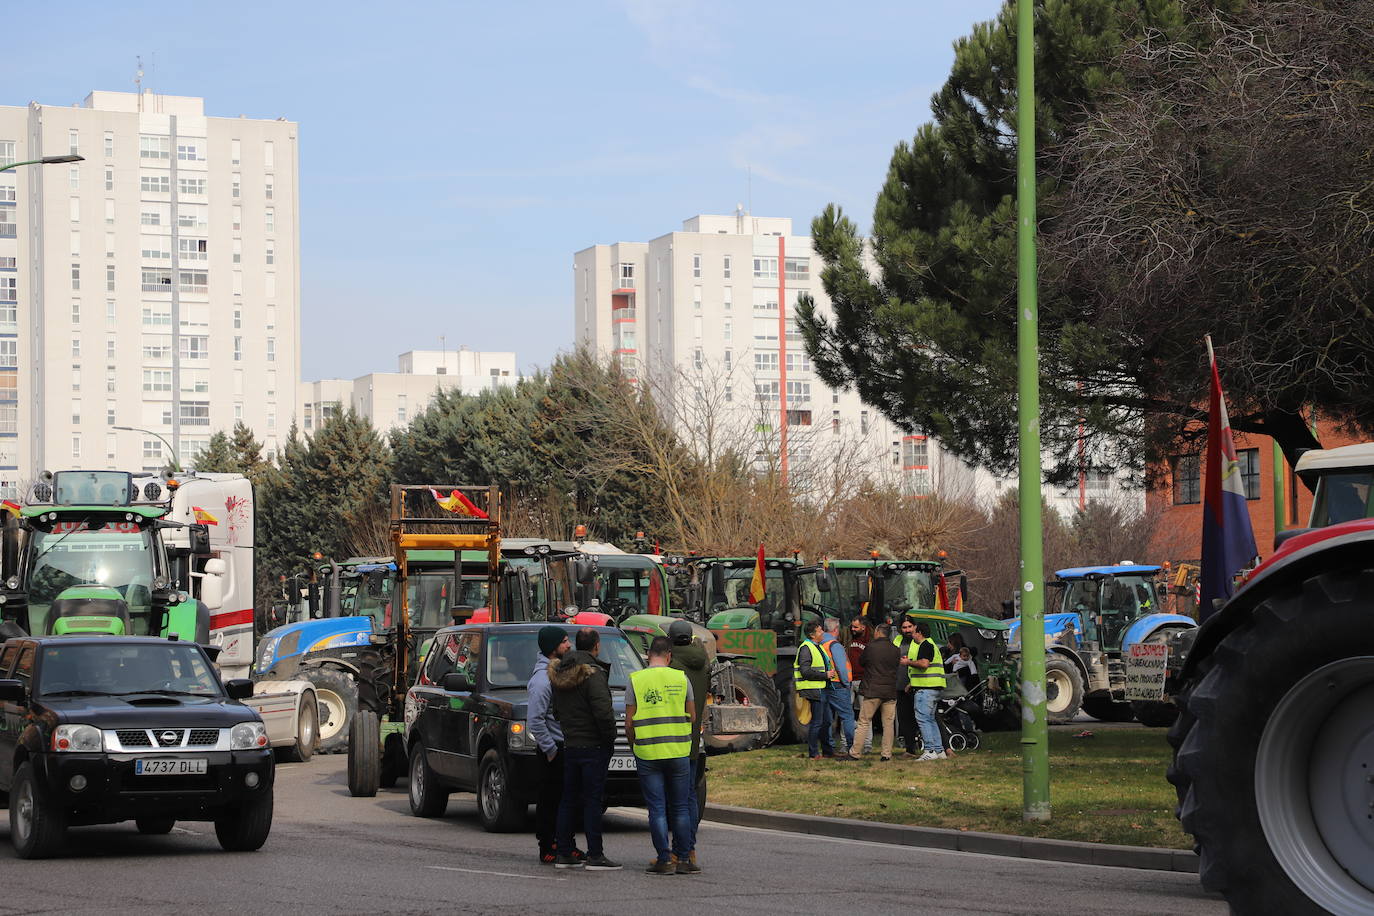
[
  {"x": 170, "y": 767},
  {"x": 622, "y": 765}
]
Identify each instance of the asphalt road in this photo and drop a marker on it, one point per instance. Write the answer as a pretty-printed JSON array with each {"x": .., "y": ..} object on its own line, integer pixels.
[{"x": 330, "y": 853}]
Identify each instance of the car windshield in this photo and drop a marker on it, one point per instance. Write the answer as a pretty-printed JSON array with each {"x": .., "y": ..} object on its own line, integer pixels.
[
  {"x": 115, "y": 554},
  {"x": 121, "y": 669},
  {"x": 511, "y": 658}
]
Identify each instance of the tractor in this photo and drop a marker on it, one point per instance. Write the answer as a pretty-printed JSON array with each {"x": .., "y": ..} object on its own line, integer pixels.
[{"x": 1274, "y": 742}]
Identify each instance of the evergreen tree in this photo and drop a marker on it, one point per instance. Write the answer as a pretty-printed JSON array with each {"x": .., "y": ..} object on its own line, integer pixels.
[{"x": 218, "y": 456}]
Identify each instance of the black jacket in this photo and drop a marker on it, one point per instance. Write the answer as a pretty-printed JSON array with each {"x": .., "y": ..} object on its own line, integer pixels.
[
  {"x": 691, "y": 660},
  {"x": 582, "y": 700},
  {"x": 881, "y": 661}
]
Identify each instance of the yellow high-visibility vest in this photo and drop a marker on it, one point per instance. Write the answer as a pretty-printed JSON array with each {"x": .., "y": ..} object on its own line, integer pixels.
[{"x": 663, "y": 729}]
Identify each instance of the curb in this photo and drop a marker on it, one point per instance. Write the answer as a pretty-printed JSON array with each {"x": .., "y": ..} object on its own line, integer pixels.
[{"x": 995, "y": 844}]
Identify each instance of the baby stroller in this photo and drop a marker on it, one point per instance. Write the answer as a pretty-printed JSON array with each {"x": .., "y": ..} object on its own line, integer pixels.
[{"x": 953, "y": 717}]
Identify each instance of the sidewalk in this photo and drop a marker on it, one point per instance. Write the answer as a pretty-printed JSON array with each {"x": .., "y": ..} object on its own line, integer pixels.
[{"x": 996, "y": 844}]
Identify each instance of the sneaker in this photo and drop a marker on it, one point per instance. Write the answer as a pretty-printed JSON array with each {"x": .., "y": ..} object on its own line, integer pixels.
[
  {"x": 688, "y": 868},
  {"x": 548, "y": 858},
  {"x": 932, "y": 755},
  {"x": 601, "y": 863},
  {"x": 884, "y": 759},
  {"x": 662, "y": 868},
  {"x": 844, "y": 758},
  {"x": 567, "y": 862}
]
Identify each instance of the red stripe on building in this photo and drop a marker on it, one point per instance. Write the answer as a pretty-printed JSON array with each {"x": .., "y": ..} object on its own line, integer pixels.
[{"x": 231, "y": 618}]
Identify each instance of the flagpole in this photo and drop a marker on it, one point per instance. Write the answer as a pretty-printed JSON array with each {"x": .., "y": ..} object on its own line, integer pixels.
[{"x": 1035, "y": 738}]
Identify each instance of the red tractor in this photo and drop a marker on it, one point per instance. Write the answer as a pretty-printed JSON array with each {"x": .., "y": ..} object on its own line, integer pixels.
[{"x": 1274, "y": 744}]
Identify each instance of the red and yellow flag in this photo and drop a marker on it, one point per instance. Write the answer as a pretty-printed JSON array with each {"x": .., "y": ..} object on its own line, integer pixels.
[
  {"x": 758, "y": 585},
  {"x": 959, "y": 601},
  {"x": 205, "y": 518},
  {"x": 458, "y": 503},
  {"x": 941, "y": 595}
]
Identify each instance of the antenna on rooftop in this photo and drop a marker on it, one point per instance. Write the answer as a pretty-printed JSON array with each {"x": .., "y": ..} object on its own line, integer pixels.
[{"x": 138, "y": 81}]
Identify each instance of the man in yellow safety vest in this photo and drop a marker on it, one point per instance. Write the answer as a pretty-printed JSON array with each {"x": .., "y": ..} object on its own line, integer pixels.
[
  {"x": 927, "y": 673},
  {"x": 812, "y": 671},
  {"x": 660, "y": 714}
]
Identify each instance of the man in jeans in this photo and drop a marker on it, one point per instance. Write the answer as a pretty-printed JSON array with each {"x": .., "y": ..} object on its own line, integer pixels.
[
  {"x": 582, "y": 701},
  {"x": 880, "y": 664},
  {"x": 659, "y": 718},
  {"x": 927, "y": 673},
  {"x": 839, "y": 694},
  {"x": 544, "y": 729}
]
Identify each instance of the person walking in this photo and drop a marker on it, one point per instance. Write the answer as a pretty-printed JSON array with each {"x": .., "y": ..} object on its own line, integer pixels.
[
  {"x": 660, "y": 716},
  {"x": 838, "y": 694},
  {"x": 810, "y": 675},
  {"x": 582, "y": 702},
  {"x": 927, "y": 673},
  {"x": 544, "y": 729},
  {"x": 689, "y": 657},
  {"x": 881, "y": 660},
  {"x": 905, "y": 641}
]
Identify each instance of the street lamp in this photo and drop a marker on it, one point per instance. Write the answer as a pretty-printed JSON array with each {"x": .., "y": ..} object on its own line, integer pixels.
[
  {"x": 46, "y": 160},
  {"x": 176, "y": 465}
]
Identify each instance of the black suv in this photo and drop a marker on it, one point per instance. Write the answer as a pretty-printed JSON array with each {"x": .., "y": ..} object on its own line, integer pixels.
[
  {"x": 103, "y": 729},
  {"x": 466, "y": 728}
]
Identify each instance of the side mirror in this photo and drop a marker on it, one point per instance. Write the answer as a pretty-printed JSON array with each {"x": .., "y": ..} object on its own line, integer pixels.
[
  {"x": 239, "y": 688},
  {"x": 200, "y": 539},
  {"x": 453, "y": 682},
  {"x": 584, "y": 569},
  {"x": 823, "y": 581},
  {"x": 12, "y": 690},
  {"x": 212, "y": 589}
]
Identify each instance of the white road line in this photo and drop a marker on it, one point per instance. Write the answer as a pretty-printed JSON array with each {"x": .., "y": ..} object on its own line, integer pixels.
[{"x": 500, "y": 874}]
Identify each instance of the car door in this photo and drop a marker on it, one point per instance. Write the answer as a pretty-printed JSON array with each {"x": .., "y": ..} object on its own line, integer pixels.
[
  {"x": 460, "y": 725},
  {"x": 15, "y": 662}
]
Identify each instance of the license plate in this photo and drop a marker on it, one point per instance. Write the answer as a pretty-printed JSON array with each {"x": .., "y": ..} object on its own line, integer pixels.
[
  {"x": 170, "y": 767},
  {"x": 622, "y": 764}
]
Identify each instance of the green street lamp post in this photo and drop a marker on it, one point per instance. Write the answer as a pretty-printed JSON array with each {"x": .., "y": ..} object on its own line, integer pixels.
[
  {"x": 46, "y": 160},
  {"x": 176, "y": 464}
]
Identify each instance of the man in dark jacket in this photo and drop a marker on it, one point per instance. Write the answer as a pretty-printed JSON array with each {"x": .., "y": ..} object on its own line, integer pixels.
[
  {"x": 880, "y": 660},
  {"x": 582, "y": 702},
  {"x": 689, "y": 657},
  {"x": 812, "y": 672}
]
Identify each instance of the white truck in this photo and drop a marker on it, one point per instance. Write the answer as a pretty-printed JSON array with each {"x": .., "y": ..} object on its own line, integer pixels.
[{"x": 220, "y": 575}]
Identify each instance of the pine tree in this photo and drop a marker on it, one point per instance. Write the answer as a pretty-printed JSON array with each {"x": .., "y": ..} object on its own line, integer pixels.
[{"x": 217, "y": 456}]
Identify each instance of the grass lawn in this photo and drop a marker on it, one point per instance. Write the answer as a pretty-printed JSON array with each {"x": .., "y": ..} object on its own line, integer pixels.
[{"x": 1106, "y": 789}]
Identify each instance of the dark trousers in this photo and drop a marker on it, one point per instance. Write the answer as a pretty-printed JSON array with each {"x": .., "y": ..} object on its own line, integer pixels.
[
  {"x": 818, "y": 740},
  {"x": 698, "y": 765},
  {"x": 906, "y": 721},
  {"x": 546, "y": 803},
  {"x": 584, "y": 789}
]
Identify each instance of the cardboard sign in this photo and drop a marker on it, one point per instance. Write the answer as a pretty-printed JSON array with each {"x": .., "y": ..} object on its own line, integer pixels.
[
  {"x": 1145, "y": 671},
  {"x": 761, "y": 644}
]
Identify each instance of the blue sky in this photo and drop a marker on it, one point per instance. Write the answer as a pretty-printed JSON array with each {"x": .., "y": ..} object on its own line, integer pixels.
[{"x": 455, "y": 155}]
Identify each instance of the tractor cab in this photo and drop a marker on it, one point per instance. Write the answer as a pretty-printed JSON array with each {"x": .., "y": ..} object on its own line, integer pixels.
[
  {"x": 721, "y": 594},
  {"x": 1344, "y": 484},
  {"x": 1101, "y": 603}
]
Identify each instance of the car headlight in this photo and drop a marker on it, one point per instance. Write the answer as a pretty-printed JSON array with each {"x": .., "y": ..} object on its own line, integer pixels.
[
  {"x": 248, "y": 735},
  {"x": 520, "y": 739},
  {"x": 85, "y": 738}
]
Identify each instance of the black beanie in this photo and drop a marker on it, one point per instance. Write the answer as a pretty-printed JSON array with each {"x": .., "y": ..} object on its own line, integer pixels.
[{"x": 551, "y": 638}]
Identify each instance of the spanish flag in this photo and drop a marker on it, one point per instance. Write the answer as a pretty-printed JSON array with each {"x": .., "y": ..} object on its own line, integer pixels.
[
  {"x": 959, "y": 601},
  {"x": 12, "y": 507},
  {"x": 203, "y": 517},
  {"x": 758, "y": 586},
  {"x": 458, "y": 503},
  {"x": 941, "y": 595}
]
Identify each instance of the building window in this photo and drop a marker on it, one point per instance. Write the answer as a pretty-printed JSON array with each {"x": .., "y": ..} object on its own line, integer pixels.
[
  {"x": 627, "y": 276},
  {"x": 152, "y": 450},
  {"x": 109, "y": 348},
  {"x": 270, "y": 219},
  {"x": 157, "y": 347},
  {"x": 1187, "y": 480},
  {"x": 109, "y": 379},
  {"x": 76, "y": 311},
  {"x": 109, "y": 415},
  {"x": 797, "y": 269},
  {"x": 766, "y": 361},
  {"x": 234, "y": 152},
  {"x": 75, "y": 207},
  {"x": 109, "y": 278},
  {"x": 863, "y": 422},
  {"x": 76, "y": 276},
  {"x": 729, "y": 358},
  {"x": 799, "y": 392},
  {"x": 271, "y": 349},
  {"x": 74, "y": 178},
  {"x": 157, "y": 380},
  {"x": 798, "y": 362},
  {"x": 835, "y": 422},
  {"x": 193, "y": 249},
  {"x": 109, "y": 144},
  {"x": 189, "y": 152},
  {"x": 193, "y": 281},
  {"x": 1250, "y": 471},
  {"x": 109, "y": 212},
  {"x": 195, "y": 413},
  {"x": 76, "y": 446},
  {"x": 111, "y": 314},
  {"x": 194, "y": 186},
  {"x": 269, "y": 159},
  {"x": 155, "y": 184},
  {"x": 109, "y": 179},
  {"x": 727, "y": 267},
  {"x": 235, "y": 185},
  {"x": 765, "y": 268},
  {"x": 9, "y": 228},
  {"x": 154, "y": 148},
  {"x": 726, "y": 297},
  {"x": 9, "y": 353},
  {"x": 268, "y": 187},
  {"x": 238, "y": 318},
  {"x": 195, "y": 347},
  {"x": 157, "y": 280},
  {"x": 149, "y": 218},
  {"x": 271, "y": 253},
  {"x": 7, "y": 154},
  {"x": 156, "y": 316},
  {"x": 696, "y": 266},
  {"x": 238, "y": 349},
  {"x": 73, "y": 142}
]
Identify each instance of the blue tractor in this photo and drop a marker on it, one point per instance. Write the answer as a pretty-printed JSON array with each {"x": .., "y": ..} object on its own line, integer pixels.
[{"x": 1101, "y": 612}]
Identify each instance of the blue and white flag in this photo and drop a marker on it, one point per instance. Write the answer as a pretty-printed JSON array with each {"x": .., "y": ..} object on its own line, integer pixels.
[{"x": 1228, "y": 540}]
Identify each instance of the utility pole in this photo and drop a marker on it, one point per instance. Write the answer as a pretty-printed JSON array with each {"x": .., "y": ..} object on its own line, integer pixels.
[{"x": 1035, "y": 756}]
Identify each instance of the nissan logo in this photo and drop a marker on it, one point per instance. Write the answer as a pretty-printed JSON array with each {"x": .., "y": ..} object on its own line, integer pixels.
[{"x": 168, "y": 737}]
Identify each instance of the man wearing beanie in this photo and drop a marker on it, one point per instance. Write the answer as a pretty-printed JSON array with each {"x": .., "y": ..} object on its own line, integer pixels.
[
  {"x": 689, "y": 657},
  {"x": 544, "y": 729}
]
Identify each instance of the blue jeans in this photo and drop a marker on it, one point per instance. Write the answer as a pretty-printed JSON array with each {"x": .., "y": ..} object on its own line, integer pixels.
[
  {"x": 667, "y": 788},
  {"x": 584, "y": 786},
  {"x": 925, "y": 719},
  {"x": 840, "y": 700},
  {"x": 818, "y": 731}
]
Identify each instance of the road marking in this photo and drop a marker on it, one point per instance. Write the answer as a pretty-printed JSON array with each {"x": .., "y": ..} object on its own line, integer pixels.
[{"x": 500, "y": 874}]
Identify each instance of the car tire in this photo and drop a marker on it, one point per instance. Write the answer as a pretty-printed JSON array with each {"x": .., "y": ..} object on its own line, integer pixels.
[
  {"x": 245, "y": 828},
  {"x": 155, "y": 826},
  {"x": 496, "y": 805},
  {"x": 364, "y": 755},
  {"x": 427, "y": 797},
  {"x": 36, "y": 828},
  {"x": 307, "y": 731},
  {"x": 394, "y": 763},
  {"x": 337, "y": 692}
]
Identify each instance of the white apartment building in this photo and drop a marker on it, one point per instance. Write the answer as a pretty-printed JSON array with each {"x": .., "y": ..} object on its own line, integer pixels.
[
  {"x": 391, "y": 399},
  {"x": 713, "y": 305},
  {"x": 153, "y": 285}
]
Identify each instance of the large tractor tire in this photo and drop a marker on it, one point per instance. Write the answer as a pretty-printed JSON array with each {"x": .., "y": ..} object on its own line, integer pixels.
[
  {"x": 337, "y": 695},
  {"x": 1063, "y": 689},
  {"x": 1274, "y": 750},
  {"x": 795, "y": 716},
  {"x": 750, "y": 687},
  {"x": 1104, "y": 709},
  {"x": 364, "y": 755}
]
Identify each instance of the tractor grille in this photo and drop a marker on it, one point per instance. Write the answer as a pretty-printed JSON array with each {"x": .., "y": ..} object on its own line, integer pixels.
[{"x": 134, "y": 737}]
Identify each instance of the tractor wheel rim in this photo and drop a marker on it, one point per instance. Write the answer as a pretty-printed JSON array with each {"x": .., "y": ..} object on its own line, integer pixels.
[
  {"x": 335, "y": 713},
  {"x": 493, "y": 790},
  {"x": 1314, "y": 785},
  {"x": 1057, "y": 686},
  {"x": 23, "y": 813}
]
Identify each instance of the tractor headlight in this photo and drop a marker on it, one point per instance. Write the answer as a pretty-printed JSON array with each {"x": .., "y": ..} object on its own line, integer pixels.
[
  {"x": 987, "y": 634},
  {"x": 247, "y": 736},
  {"x": 266, "y": 652},
  {"x": 81, "y": 738}
]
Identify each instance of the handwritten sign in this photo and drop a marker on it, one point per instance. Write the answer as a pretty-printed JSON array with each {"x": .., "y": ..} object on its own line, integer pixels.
[
  {"x": 762, "y": 645},
  {"x": 1145, "y": 671}
]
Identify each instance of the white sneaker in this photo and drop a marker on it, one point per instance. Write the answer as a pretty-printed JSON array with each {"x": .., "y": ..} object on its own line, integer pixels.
[{"x": 931, "y": 755}]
